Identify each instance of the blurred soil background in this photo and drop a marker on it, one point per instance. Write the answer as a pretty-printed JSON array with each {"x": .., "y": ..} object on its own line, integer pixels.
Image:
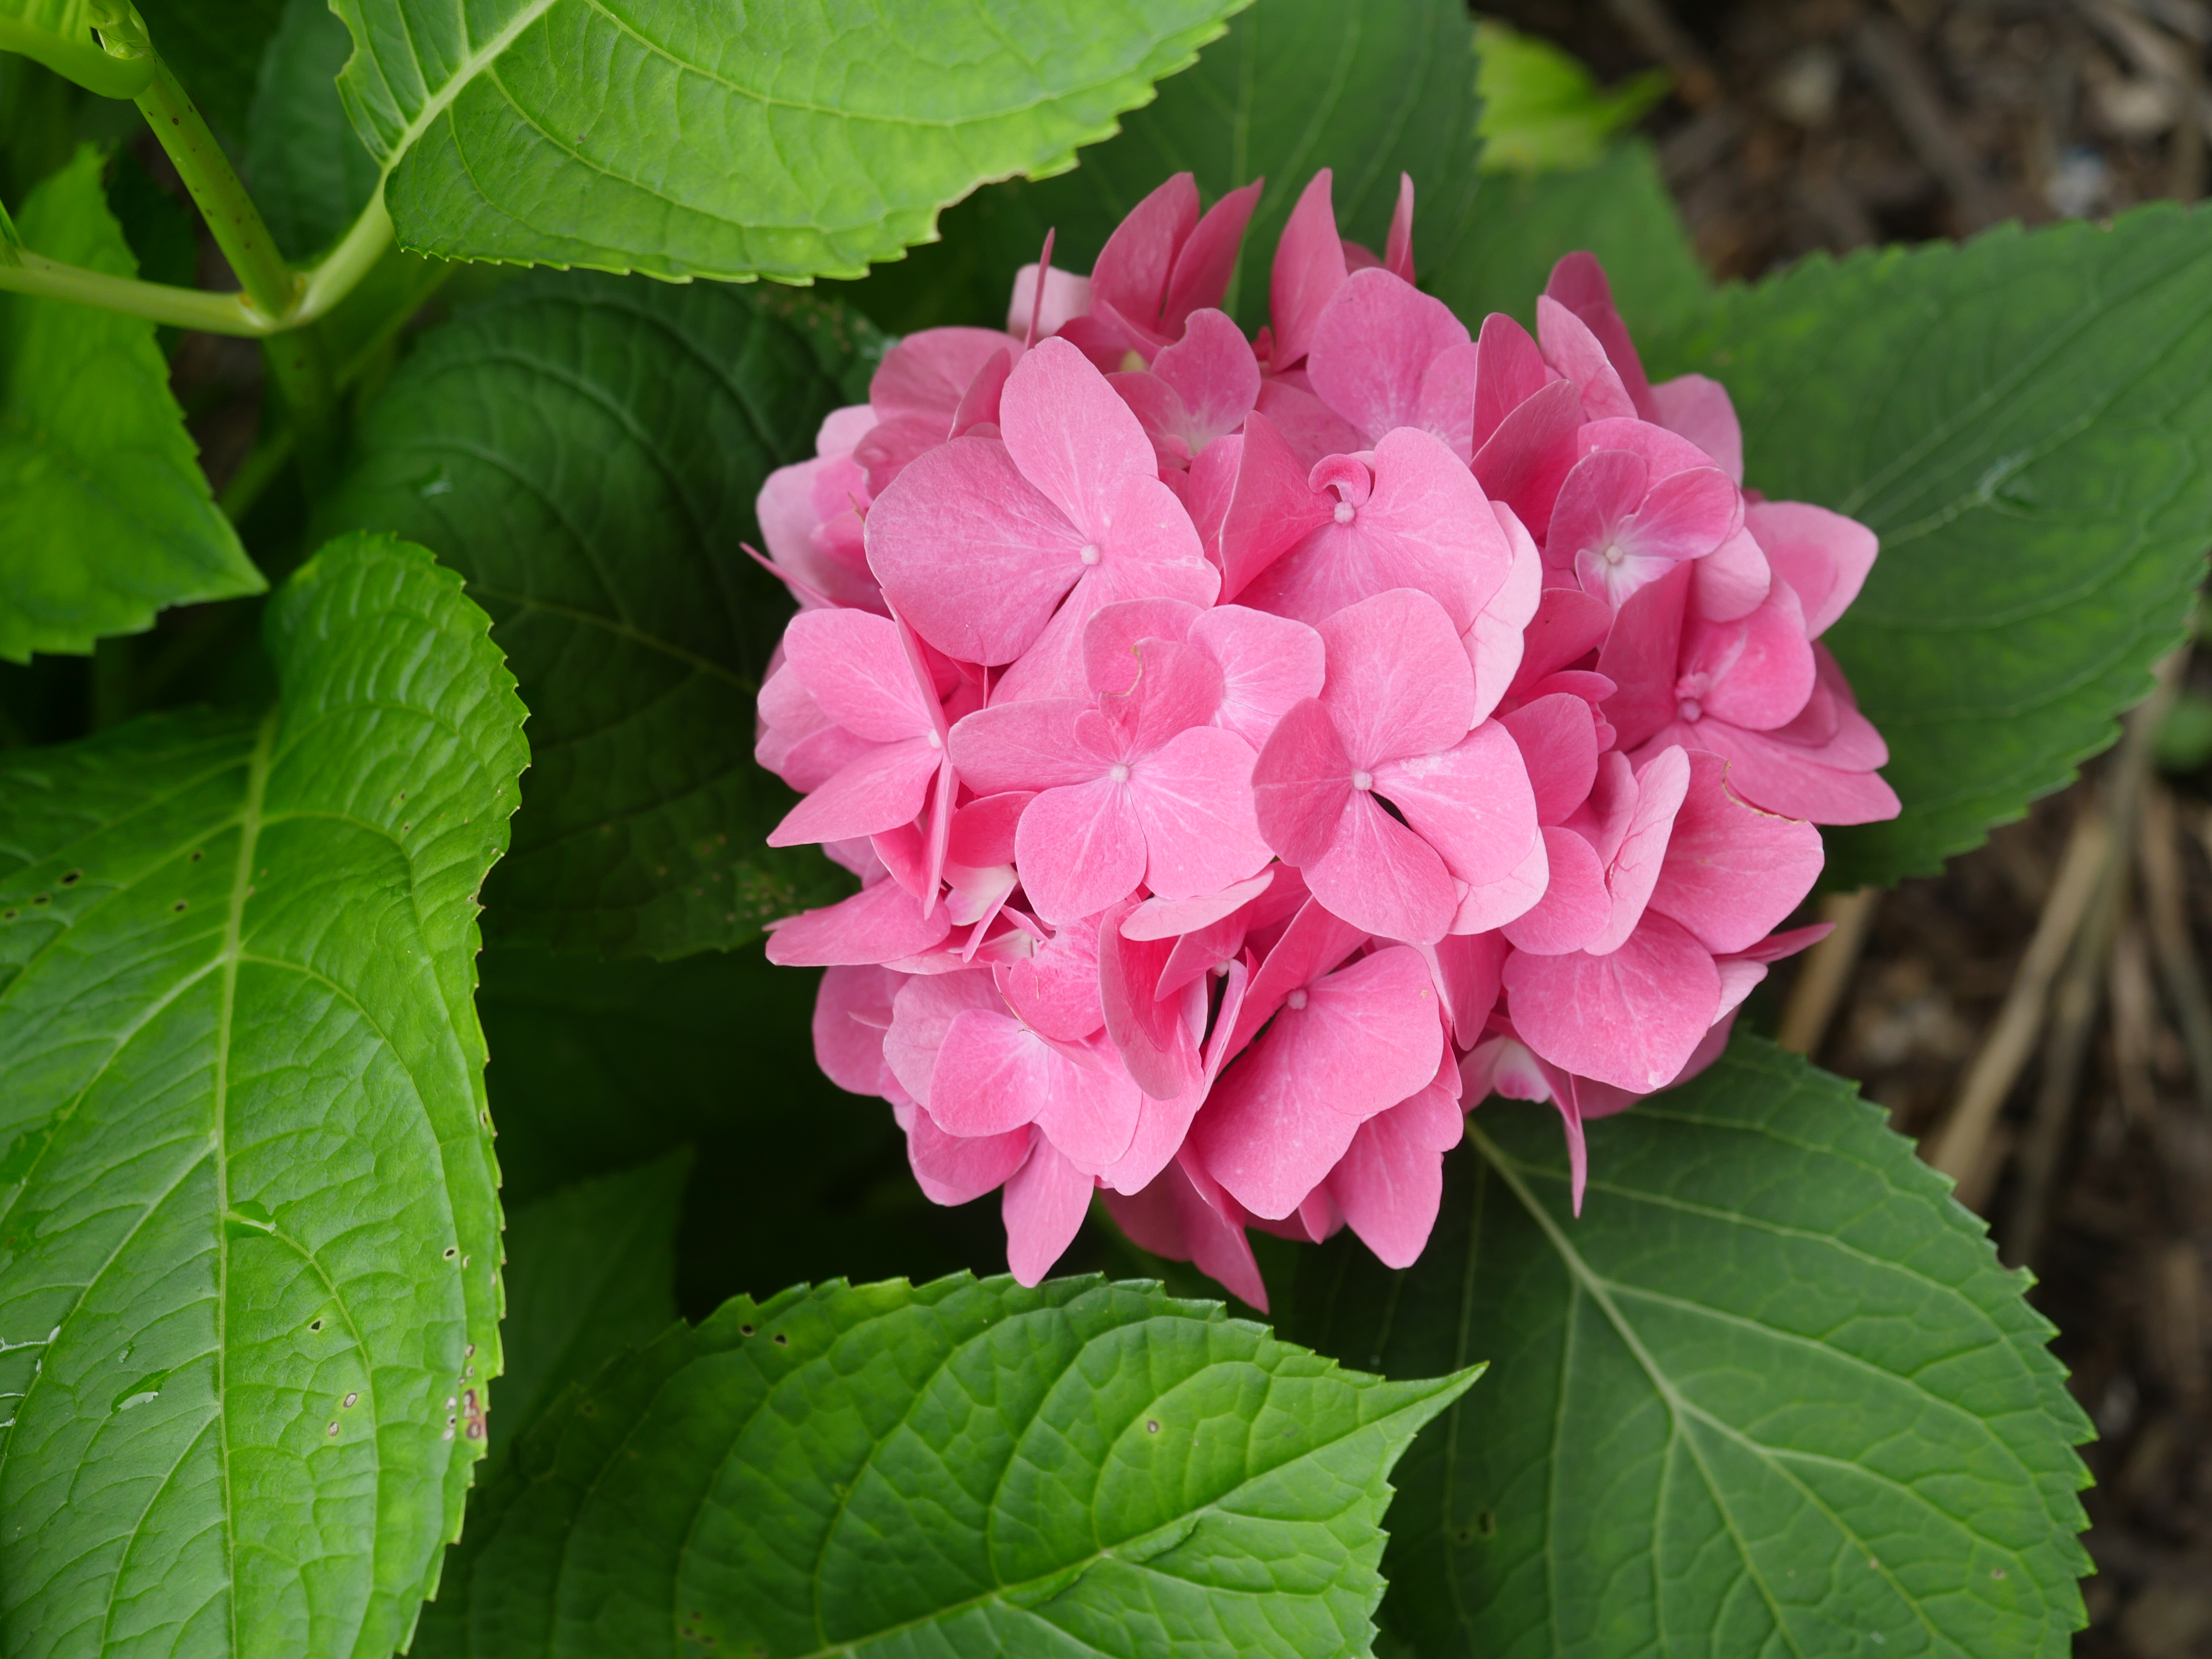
[{"x": 2038, "y": 1014}]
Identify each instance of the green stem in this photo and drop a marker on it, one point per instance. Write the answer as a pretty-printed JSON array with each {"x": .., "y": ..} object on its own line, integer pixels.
[
  {"x": 11, "y": 239},
  {"x": 179, "y": 308},
  {"x": 270, "y": 285}
]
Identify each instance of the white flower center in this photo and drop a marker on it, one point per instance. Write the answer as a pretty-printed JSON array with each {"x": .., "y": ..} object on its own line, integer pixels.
[
  {"x": 1090, "y": 553},
  {"x": 1298, "y": 998},
  {"x": 1345, "y": 512},
  {"x": 1611, "y": 553},
  {"x": 1118, "y": 772},
  {"x": 1362, "y": 779},
  {"x": 1690, "y": 709},
  {"x": 935, "y": 742}
]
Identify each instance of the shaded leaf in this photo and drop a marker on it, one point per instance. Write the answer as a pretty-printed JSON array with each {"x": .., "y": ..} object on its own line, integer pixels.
[
  {"x": 960, "y": 1468},
  {"x": 591, "y": 1270},
  {"x": 1620, "y": 209},
  {"x": 216, "y": 48},
  {"x": 311, "y": 176},
  {"x": 598, "y": 1065},
  {"x": 1771, "y": 1393},
  {"x": 2025, "y": 421},
  {"x": 59, "y": 34},
  {"x": 109, "y": 519},
  {"x": 1295, "y": 85},
  {"x": 249, "y": 1228},
  {"x": 798, "y": 142},
  {"x": 585, "y": 452}
]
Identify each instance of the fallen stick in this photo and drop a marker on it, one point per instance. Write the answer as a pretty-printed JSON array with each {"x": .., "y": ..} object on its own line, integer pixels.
[
  {"x": 2165, "y": 909},
  {"x": 1827, "y": 969}
]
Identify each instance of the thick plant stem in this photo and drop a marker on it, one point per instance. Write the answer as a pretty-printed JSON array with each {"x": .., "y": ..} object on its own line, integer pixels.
[{"x": 270, "y": 285}]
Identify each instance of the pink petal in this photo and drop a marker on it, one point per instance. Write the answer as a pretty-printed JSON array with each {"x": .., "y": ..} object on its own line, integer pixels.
[
  {"x": 1072, "y": 437},
  {"x": 1495, "y": 903},
  {"x": 1732, "y": 580},
  {"x": 970, "y": 553},
  {"x": 1193, "y": 797},
  {"x": 1151, "y": 1033},
  {"x": 1267, "y": 663},
  {"x": 1213, "y": 372},
  {"x": 1446, "y": 405},
  {"x": 1390, "y": 1181},
  {"x": 1313, "y": 942},
  {"x": 1383, "y": 878},
  {"x": 1170, "y": 919},
  {"x": 1569, "y": 624},
  {"x": 1164, "y": 1125},
  {"x": 1207, "y": 258},
  {"x": 958, "y": 1169},
  {"x": 1134, "y": 269},
  {"x": 1756, "y": 673},
  {"x": 877, "y": 791},
  {"x": 790, "y": 508},
  {"x": 1270, "y": 509},
  {"x": 1629, "y": 1019},
  {"x": 1605, "y": 488},
  {"x": 1169, "y": 1219},
  {"x": 1177, "y": 687},
  {"x": 1699, "y": 410},
  {"x": 851, "y": 1011},
  {"x": 1578, "y": 282},
  {"x": 1495, "y": 644},
  {"x": 1508, "y": 371},
  {"x": 858, "y": 673},
  {"x": 1014, "y": 746},
  {"x": 1371, "y": 345},
  {"x": 923, "y": 1010},
  {"x": 1309, "y": 426},
  {"x": 1794, "y": 781},
  {"x": 1685, "y": 515},
  {"x": 1302, "y": 783},
  {"x": 1089, "y": 1108},
  {"x": 1575, "y": 906},
  {"x": 1558, "y": 739},
  {"x": 1526, "y": 459},
  {"x": 1823, "y": 556},
  {"x": 1472, "y": 803},
  {"x": 926, "y": 373},
  {"x": 1159, "y": 558},
  {"x": 1425, "y": 527},
  {"x": 1284, "y": 1113},
  {"x": 983, "y": 829},
  {"x": 1466, "y": 969},
  {"x": 993, "y": 1075},
  {"x": 1640, "y": 654},
  {"x": 1309, "y": 269},
  {"x": 1571, "y": 348},
  {"x": 1398, "y": 248},
  {"x": 1055, "y": 990},
  {"x": 881, "y": 923},
  {"x": 1632, "y": 871},
  {"x": 1065, "y": 296},
  {"x": 979, "y": 404},
  {"x": 1399, "y": 682},
  {"x": 1045, "y": 1203},
  {"x": 1080, "y": 848}
]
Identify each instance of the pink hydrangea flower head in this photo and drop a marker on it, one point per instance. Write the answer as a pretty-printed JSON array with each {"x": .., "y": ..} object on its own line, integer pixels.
[{"x": 1256, "y": 753}]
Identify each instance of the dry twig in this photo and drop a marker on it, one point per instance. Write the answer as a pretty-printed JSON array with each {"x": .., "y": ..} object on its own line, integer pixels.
[
  {"x": 1893, "y": 62},
  {"x": 1827, "y": 972},
  {"x": 2165, "y": 909}
]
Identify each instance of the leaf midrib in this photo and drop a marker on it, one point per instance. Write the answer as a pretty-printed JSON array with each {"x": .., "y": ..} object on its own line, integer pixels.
[
  {"x": 1679, "y": 1409},
  {"x": 249, "y": 839}
]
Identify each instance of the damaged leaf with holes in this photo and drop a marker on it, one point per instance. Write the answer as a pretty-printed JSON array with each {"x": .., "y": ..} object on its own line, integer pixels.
[{"x": 249, "y": 1228}]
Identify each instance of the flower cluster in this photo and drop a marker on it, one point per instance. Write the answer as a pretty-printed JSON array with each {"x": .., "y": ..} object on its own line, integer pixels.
[{"x": 1256, "y": 752}]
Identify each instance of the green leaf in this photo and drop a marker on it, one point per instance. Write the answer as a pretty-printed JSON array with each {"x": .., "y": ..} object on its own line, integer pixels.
[
  {"x": 1296, "y": 85},
  {"x": 1620, "y": 209},
  {"x": 958, "y": 1469},
  {"x": 600, "y": 1064},
  {"x": 786, "y": 141},
  {"x": 1543, "y": 109},
  {"x": 311, "y": 176},
  {"x": 1771, "y": 1393},
  {"x": 586, "y": 451},
  {"x": 591, "y": 1270},
  {"x": 59, "y": 34},
  {"x": 216, "y": 48},
  {"x": 108, "y": 517},
  {"x": 249, "y": 1228},
  {"x": 2024, "y": 420}
]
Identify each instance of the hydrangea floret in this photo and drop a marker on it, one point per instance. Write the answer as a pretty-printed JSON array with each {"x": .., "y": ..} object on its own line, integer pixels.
[{"x": 1256, "y": 753}]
